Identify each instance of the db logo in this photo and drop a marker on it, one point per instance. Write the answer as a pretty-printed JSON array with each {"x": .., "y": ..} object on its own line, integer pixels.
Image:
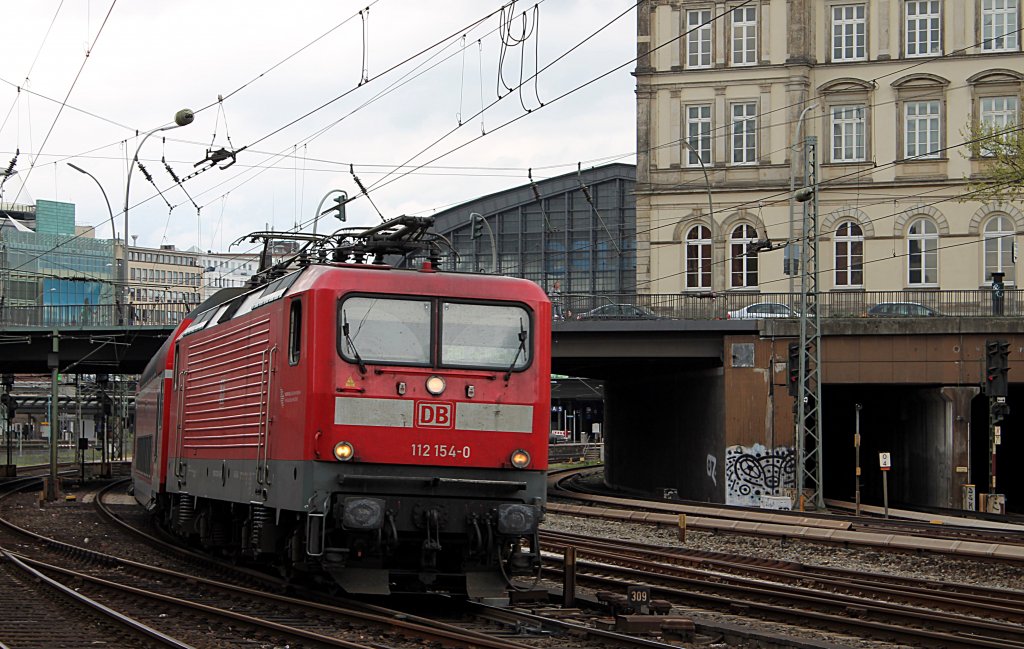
[{"x": 433, "y": 414}]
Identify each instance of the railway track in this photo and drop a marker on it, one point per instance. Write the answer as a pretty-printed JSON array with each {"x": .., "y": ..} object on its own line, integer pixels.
[
  {"x": 1000, "y": 543},
  {"x": 870, "y": 606},
  {"x": 187, "y": 606}
]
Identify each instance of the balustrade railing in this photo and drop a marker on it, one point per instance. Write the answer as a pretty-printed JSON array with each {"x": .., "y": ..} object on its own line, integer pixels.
[
  {"x": 833, "y": 304},
  {"x": 70, "y": 316},
  {"x": 572, "y": 306}
]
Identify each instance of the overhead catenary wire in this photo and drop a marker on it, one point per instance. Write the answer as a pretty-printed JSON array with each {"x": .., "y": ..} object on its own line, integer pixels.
[{"x": 71, "y": 89}]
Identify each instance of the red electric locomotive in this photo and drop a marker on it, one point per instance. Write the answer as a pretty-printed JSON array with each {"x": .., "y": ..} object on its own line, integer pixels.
[{"x": 384, "y": 426}]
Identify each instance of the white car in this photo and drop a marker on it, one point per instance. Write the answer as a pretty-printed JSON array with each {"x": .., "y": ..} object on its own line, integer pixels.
[{"x": 762, "y": 310}]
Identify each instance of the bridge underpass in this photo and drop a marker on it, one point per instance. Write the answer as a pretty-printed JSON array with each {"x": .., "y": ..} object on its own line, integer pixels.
[{"x": 701, "y": 406}]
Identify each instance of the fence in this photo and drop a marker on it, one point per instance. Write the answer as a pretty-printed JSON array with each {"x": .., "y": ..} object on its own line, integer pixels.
[
  {"x": 70, "y": 316},
  {"x": 832, "y": 304}
]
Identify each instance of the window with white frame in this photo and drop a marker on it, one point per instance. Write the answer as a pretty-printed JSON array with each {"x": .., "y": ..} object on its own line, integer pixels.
[
  {"x": 848, "y": 133},
  {"x": 999, "y": 246},
  {"x": 698, "y": 38},
  {"x": 744, "y": 133},
  {"x": 1000, "y": 21},
  {"x": 698, "y": 135},
  {"x": 744, "y": 36},
  {"x": 742, "y": 260},
  {"x": 922, "y": 133},
  {"x": 922, "y": 253},
  {"x": 698, "y": 257},
  {"x": 923, "y": 34},
  {"x": 849, "y": 247},
  {"x": 996, "y": 114},
  {"x": 849, "y": 32}
]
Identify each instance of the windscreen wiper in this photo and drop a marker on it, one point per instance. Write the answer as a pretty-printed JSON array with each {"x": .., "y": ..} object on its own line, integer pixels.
[
  {"x": 519, "y": 350},
  {"x": 351, "y": 345}
]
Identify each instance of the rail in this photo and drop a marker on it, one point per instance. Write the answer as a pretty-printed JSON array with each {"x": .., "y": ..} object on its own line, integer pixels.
[
  {"x": 831, "y": 304},
  {"x": 584, "y": 306},
  {"x": 85, "y": 316}
]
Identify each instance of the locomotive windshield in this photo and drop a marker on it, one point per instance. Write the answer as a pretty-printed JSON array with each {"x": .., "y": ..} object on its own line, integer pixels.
[
  {"x": 485, "y": 336},
  {"x": 398, "y": 331},
  {"x": 385, "y": 330}
]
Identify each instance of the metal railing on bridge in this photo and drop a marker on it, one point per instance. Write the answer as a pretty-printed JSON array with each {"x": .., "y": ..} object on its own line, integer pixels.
[
  {"x": 101, "y": 316},
  {"x": 749, "y": 306}
]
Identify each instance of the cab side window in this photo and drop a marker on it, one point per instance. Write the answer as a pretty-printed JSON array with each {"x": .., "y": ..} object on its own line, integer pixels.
[{"x": 295, "y": 332}]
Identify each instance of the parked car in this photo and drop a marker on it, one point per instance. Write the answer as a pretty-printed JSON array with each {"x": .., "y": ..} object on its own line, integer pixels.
[
  {"x": 761, "y": 310},
  {"x": 902, "y": 309},
  {"x": 619, "y": 312}
]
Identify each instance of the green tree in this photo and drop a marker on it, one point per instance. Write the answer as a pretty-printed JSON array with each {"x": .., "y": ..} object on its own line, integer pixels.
[{"x": 1002, "y": 174}]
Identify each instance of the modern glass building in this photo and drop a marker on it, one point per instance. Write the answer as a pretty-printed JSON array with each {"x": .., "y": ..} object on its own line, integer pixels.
[
  {"x": 51, "y": 266},
  {"x": 574, "y": 233}
]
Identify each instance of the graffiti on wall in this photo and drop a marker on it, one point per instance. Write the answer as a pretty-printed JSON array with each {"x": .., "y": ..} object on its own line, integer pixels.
[{"x": 755, "y": 471}]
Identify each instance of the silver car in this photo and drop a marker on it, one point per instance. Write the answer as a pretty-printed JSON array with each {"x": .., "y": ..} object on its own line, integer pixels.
[{"x": 761, "y": 310}]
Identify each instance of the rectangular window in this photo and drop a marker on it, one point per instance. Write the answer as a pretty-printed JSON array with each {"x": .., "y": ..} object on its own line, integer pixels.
[
  {"x": 999, "y": 25},
  {"x": 744, "y": 133},
  {"x": 698, "y": 135},
  {"x": 922, "y": 133},
  {"x": 388, "y": 330},
  {"x": 744, "y": 36},
  {"x": 485, "y": 336},
  {"x": 997, "y": 114},
  {"x": 698, "y": 39},
  {"x": 295, "y": 333},
  {"x": 923, "y": 262},
  {"x": 849, "y": 32},
  {"x": 923, "y": 31},
  {"x": 848, "y": 134}
]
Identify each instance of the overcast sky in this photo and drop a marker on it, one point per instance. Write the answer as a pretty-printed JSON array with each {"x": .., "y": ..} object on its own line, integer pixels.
[{"x": 146, "y": 60}]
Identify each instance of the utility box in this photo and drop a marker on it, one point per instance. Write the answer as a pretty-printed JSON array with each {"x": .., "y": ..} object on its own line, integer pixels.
[{"x": 993, "y": 503}]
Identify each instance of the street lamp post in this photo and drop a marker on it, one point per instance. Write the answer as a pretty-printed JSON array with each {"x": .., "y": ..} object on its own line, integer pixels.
[
  {"x": 113, "y": 234},
  {"x": 792, "y": 193},
  {"x": 711, "y": 207},
  {"x": 183, "y": 117},
  {"x": 475, "y": 218}
]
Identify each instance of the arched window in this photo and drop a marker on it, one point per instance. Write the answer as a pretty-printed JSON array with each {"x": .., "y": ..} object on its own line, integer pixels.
[
  {"x": 698, "y": 257},
  {"x": 922, "y": 253},
  {"x": 849, "y": 254},
  {"x": 742, "y": 261},
  {"x": 999, "y": 243}
]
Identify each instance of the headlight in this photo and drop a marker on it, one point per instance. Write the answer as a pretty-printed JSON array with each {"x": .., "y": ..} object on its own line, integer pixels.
[
  {"x": 435, "y": 385},
  {"x": 514, "y": 518},
  {"x": 520, "y": 459},
  {"x": 343, "y": 451},
  {"x": 363, "y": 513}
]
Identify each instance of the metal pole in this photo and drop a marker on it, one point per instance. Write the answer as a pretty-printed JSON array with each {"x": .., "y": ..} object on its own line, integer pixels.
[
  {"x": 51, "y": 486},
  {"x": 490, "y": 233},
  {"x": 183, "y": 117},
  {"x": 324, "y": 200},
  {"x": 856, "y": 446},
  {"x": 885, "y": 492},
  {"x": 792, "y": 188},
  {"x": 113, "y": 238},
  {"x": 711, "y": 207}
]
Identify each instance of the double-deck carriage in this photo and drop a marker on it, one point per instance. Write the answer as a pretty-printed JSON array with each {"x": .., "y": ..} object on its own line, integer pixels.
[{"x": 384, "y": 426}]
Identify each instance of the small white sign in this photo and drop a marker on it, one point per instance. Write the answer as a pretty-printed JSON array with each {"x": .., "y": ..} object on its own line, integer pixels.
[{"x": 884, "y": 460}]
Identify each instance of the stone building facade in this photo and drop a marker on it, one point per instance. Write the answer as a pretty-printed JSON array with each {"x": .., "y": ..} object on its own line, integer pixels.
[{"x": 727, "y": 93}]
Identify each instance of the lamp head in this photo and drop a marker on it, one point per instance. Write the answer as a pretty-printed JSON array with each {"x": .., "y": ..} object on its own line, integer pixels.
[
  {"x": 184, "y": 117},
  {"x": 803, "y": 195}
]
